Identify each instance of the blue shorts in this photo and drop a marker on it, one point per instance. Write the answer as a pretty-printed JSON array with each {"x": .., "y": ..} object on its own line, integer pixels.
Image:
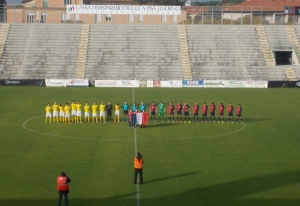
[{"x": 230, "y": 114}]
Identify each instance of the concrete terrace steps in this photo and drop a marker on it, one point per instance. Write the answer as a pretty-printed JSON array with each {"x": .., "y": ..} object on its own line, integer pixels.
[
  {"x": 142, "y": 51},
  {"x": 146, "y": 49},
  {"x": 223, "y": 52},
  {"x": 42, "y": 47}
]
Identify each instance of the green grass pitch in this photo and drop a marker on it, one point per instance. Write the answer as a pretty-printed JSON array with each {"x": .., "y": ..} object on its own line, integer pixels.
[{"x": 185, "y": 164}]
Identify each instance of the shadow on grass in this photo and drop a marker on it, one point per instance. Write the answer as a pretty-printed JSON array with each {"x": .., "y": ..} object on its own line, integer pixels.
[
  {"x": 170, "y": 177},
  {"x": 250, "y": 120},
  {"x": 161, "y": 125},
  {"x": 245, "y": 192},
  {"x": 20, "y": 116}
]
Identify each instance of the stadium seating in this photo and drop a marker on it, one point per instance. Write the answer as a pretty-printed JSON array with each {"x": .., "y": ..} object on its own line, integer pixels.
[
  {"x": 143, "y": 52},
  {"x": 277, "y": 37},
  {"x": 223, "y": 52},
  {"x": 36, "y": 51},
  {"x": 134, "y": 52}
]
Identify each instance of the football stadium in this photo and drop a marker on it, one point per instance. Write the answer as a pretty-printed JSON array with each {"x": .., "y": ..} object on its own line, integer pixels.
[{"x": 130, "y": 103}]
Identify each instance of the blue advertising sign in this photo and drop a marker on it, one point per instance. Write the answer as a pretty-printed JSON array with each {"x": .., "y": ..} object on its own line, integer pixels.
[{"x": 193, "y": 83}]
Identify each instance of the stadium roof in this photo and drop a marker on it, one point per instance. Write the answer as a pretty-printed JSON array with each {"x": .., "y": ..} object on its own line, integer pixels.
[
  {"x": 195, "y": 9},
  {"x": 263, "y": 5}
]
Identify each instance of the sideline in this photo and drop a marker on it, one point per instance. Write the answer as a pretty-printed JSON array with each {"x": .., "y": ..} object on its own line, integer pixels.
[{"x": 160, "y": 139}]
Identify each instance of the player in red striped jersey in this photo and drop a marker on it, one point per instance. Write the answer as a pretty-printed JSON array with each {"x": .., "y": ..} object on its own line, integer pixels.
[
  {"x": 204, "y": 112},
  {"x": 179, "y": 111},
  {"x": 153, "y": 111},
  {"x": 221, "y": 112},
  {"x": 239, "y": 114},
  {"x": 195, "y": 111},
  {"x": 186, "y": 108},
  {"x": 171, "y": 111},
  {"x": 212, "y": 109},
  {"x": 230, "y": 113}
]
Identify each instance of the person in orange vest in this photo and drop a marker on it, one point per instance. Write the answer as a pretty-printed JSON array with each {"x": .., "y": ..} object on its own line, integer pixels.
[
  {"x": 63, "y": 187},
  {"x": 138, "y": 167}
]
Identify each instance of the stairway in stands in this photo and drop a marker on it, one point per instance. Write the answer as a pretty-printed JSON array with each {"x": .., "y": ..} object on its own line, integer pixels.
[
  {"x": 82, "y": 53},
  {"x": 269, "y": 58},
  {"x": 290, "y": 73},
  {"x": 290, "y": 30},
  {"x": 185, "y": 57},
  {"x": 3, "y": 36}
]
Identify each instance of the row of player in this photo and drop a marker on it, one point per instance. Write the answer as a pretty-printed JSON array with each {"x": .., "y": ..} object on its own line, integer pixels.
[{"x": 68, "y": 113}]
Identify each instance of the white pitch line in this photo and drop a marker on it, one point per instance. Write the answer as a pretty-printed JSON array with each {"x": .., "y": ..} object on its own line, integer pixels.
[
  {"x": 57, "y": 135},
  {"x": 135, "y": 151},
  {"x": 146, "y": 139}
]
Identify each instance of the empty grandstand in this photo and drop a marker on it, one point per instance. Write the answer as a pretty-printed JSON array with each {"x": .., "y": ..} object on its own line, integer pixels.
[{"x": 149, "y": 52}]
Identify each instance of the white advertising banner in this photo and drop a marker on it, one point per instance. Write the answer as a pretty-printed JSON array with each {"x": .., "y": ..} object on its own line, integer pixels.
[
  {"x": 139, "y": 117},
  {"x": 149, "y": 83},
  {"x": 256, "y": 84},
  {"x": 117, "y": 83},
  {"x": 106, "y": 83},
  {"x": 124, "y": 9},
  {"x": 128, "y": 83},
  {"x": 224, "y": 83},
  {"x": 77, "y": 82},
  {"x": 55, "y": 82},
  {"x": 172, "y": 83}
]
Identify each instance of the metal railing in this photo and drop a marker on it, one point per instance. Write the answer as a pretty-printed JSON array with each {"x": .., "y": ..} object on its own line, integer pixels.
[
  {"x": 234, "y": 15},
  {"x": 217, "y": 15}
]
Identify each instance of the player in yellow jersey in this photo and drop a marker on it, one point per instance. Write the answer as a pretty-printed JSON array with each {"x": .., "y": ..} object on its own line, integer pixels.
[
  {"x": 74, "y": 111},
  {"x": 87, "y": 112},
  {"x": 102, "y": 112},
  {"x": 55, "y": 112},
  {"x": 78, "y": 108},
  {"x": 117, "y": 112},
  {"x": 67, "y": 109},
  {"x": 61, "y": 113},
  {"x": 94, "y": 109},
  {"x": 48, "y": 112}
]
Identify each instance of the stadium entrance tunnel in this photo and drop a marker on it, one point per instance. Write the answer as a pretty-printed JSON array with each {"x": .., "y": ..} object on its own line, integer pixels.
[{"x": 283, "y": 57}]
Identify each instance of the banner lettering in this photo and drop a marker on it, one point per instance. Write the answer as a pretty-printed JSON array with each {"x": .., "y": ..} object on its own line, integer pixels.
[
  {"x": 55, "y": 82},
  {"x": 193, "y": 83},
  {"x": 22, "y": 82},
  {"x": 124, "y": 9}
]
